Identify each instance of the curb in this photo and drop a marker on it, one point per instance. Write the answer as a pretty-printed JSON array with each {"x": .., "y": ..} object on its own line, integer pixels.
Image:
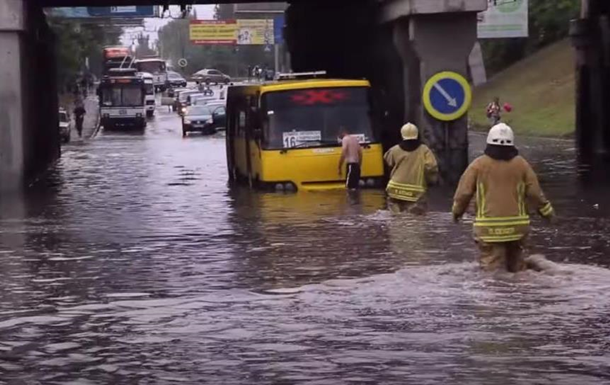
[
  {"x": 97, "y": 127},
  {"x": 96, "y": 130}
]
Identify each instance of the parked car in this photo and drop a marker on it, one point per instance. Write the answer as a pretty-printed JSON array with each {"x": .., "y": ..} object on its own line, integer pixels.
[
  {"x": 65, "y": 125},
  {"x": 175, "y": 80},
  {"x": 211, "y": 76},
  {"x": 198, "y": 118}
]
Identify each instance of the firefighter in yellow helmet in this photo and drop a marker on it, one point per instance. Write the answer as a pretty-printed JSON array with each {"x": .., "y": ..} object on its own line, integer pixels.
[
  {"x": 505, "y": 187},
  {"x": 413, "y": 167}
]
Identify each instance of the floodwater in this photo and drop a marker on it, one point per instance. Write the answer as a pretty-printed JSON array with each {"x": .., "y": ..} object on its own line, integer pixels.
[{"x": 133, "y": 262}]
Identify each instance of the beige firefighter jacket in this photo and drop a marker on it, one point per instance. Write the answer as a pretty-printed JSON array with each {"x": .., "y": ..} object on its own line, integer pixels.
[
  {"x": 412, "y": 171},
  {"x": 504, "y": 192}
]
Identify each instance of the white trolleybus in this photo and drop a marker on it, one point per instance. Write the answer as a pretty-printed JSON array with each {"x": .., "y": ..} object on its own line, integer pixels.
[{"x": 122, "y": 95}]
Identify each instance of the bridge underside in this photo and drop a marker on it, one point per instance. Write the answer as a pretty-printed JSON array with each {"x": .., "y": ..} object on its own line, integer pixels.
[{"x": 397, "y": 44}]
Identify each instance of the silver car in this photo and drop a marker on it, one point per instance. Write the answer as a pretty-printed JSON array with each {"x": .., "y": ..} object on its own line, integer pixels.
[
  {"x": 211, "y": 76},
  {"x": 65, "y": 125}
]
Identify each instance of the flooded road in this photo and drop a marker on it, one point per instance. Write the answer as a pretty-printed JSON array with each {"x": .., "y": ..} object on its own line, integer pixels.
[{"x": 133, "y": 262}]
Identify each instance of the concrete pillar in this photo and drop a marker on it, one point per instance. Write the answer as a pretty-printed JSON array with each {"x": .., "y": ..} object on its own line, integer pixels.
[
  {"x": 12, "y": 26},
  {"x": 432, "y": 43},
  {"x": 29, "y": 134}
]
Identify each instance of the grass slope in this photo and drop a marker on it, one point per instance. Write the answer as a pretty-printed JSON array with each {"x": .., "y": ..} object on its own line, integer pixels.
[{"x": 541, "y": 90}]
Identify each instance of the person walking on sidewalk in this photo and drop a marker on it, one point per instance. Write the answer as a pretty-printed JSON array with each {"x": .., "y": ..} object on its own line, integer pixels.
[
  {"x": 504, "y": 183},
  {"x": 79, "y": 118},
  {"x": 414, "y": 167},
  {"x": 351, "y": 154}
]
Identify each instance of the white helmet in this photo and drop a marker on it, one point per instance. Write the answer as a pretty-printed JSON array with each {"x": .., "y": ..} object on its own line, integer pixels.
[
  {"x": 501, "y": 135},
  {"x": 409, "y": 131}
]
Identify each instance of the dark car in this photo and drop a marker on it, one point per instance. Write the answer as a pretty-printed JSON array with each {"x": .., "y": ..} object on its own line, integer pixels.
[
  {"x": 175, "y": 80},
  {"x": 198, "y": 118}
]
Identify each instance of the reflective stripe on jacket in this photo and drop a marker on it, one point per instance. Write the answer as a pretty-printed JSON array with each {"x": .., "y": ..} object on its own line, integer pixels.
[
  {"x": 411, "y": 172},
  {"x": 504, "y": 192}
]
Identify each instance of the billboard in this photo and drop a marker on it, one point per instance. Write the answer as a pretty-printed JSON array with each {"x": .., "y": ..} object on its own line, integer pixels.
[
  {"x": 105, "y": 12},
  {"x": 205, "y": 32},
  {"x": 504, "y": 19},
  {"x": 255, "y": 32},
  {"x": 241, "y": 32}
]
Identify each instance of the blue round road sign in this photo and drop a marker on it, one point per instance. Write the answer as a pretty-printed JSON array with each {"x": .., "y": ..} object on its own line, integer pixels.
[{"x": 447, "y": 96}]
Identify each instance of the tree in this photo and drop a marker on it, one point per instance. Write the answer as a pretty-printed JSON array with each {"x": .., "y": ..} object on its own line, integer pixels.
[
  {"x": 77, "y": 42},
  {"x": 143, "y": 48},
  {"x": 548, "y": 23}
]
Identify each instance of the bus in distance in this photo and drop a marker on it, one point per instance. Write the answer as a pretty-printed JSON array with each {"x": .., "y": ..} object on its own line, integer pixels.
[{"x": 158, "y": 68}]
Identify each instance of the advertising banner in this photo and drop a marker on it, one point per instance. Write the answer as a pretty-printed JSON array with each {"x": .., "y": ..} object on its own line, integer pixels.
[
  {"x": 205, "y": 32},
  {"x": 255, "y": 32},
  {"x": 504, "y": 19},
  {"x": 241, "y": 32}
]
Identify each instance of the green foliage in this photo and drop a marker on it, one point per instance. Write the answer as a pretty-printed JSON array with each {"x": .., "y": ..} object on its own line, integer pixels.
[
  {"x": 75, "y": 43},
  {"x": 548, "y": 23},
  {"x": 541, "y": 89},
  {"x": 143, "y": 48}
]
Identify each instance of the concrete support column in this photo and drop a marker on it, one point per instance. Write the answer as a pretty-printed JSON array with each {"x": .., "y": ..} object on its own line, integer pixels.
[
  {"x": 12, "y": 27},
  {"x": 432, "y": 43},
  {"x": 591, "y": 40},
  {"x": 29, "y": 134}
]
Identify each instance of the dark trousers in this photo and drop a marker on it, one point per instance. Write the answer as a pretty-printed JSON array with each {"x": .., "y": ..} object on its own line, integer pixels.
[
  {"x": 353, "y": 175},
  {"x": 79, "y": 124}
]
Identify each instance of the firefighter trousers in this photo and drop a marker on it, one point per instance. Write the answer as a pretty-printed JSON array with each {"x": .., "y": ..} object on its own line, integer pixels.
[
  {"x": 416, "y": 208},
  {"x": 502, "y": 256}
]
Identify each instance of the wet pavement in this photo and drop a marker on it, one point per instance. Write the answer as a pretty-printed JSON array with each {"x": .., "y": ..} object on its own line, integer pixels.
[{"x": 134, "y": 262}]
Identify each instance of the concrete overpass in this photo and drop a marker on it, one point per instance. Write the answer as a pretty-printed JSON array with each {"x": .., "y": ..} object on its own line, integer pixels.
[{"x": 397, "y": 44}]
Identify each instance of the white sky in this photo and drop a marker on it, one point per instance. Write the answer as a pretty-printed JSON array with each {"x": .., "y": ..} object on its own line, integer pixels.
[{"x": 152, "y": 26}]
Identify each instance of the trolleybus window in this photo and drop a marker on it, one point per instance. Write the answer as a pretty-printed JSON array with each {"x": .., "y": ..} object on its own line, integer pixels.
[
  {"x": 314, "y": 117},
  {"x": 149, "y": 88},
  {"x": 153, "y": 67},
  {"x": 125, "y": 95}
]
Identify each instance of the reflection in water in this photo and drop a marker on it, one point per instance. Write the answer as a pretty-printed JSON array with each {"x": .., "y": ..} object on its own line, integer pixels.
[{"x": 134, "y": 262}]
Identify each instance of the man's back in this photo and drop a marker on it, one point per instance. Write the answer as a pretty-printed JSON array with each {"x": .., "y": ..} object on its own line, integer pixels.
[{"x": 351, "y": 149}]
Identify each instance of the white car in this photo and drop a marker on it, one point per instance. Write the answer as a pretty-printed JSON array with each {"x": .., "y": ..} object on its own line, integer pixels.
[{"x": 65, "y": 125}]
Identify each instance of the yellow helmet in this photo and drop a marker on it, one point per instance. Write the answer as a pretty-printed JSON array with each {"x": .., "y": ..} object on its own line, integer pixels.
[{"x": 409, "y": 131}]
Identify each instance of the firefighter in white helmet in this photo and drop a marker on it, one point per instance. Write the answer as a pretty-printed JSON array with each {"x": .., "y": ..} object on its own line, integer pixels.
[
  {"x": 505, "y": 187},
  {"x": 413, "y": 167}
]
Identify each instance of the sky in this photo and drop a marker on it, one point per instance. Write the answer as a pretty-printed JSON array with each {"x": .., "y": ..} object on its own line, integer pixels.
[{"x": 151, "y": 26}]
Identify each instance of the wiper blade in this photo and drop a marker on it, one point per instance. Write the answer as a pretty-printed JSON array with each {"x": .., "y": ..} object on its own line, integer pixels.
[{"x": 306, "y": 142}]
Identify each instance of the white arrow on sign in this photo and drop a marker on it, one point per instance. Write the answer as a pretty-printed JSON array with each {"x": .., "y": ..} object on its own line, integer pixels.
[{"x": 451, "y": 101}]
